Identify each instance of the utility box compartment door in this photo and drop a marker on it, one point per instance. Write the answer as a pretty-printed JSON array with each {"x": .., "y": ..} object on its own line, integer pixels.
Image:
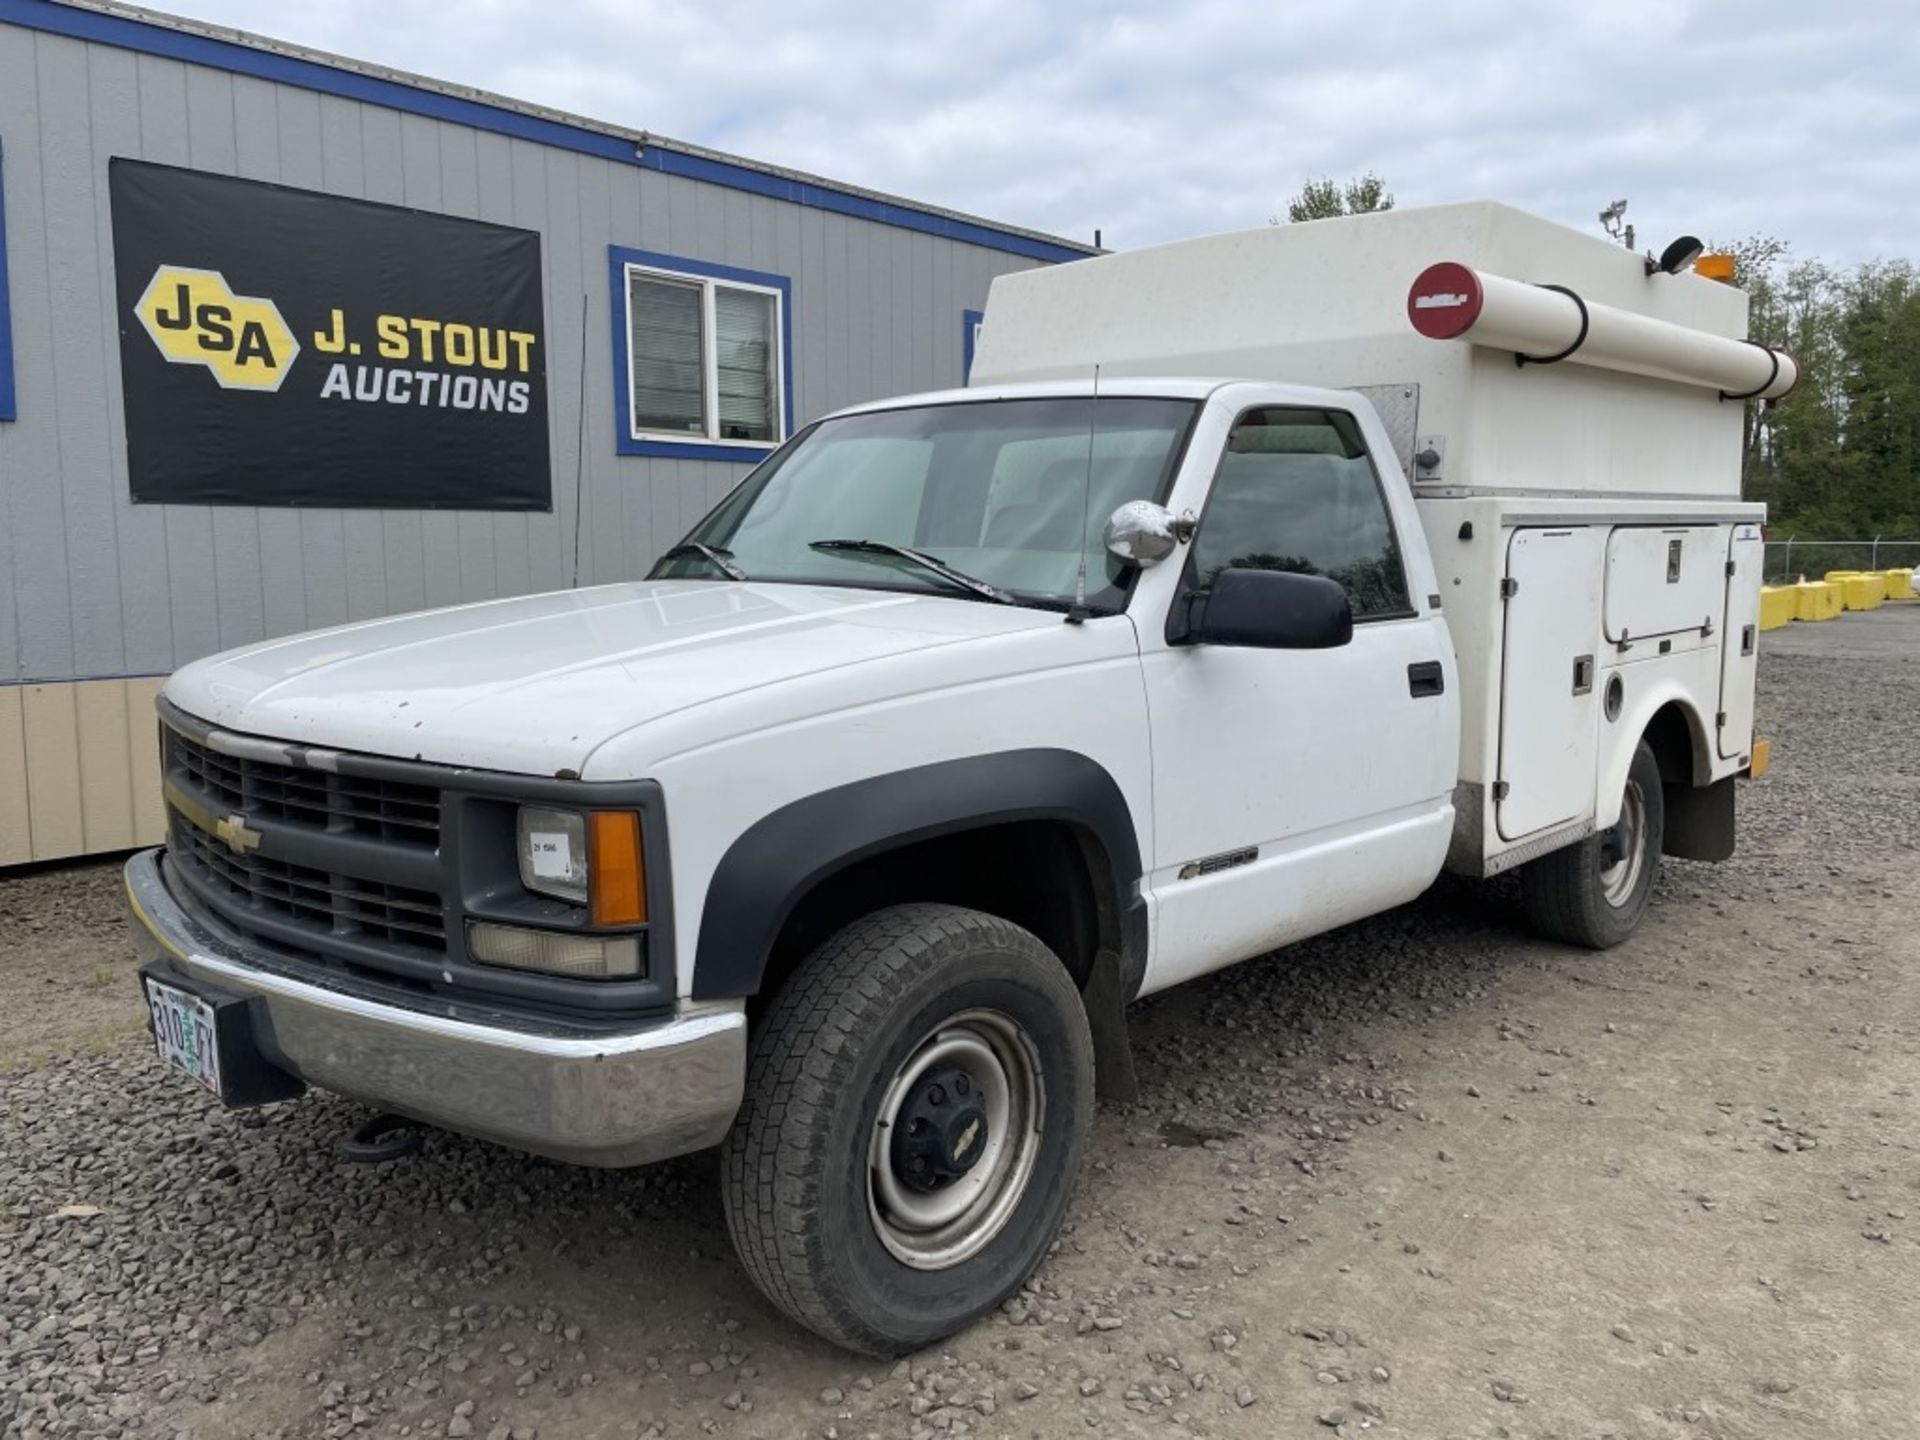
[
  {"x": 1549, "y": 679},
  {"x": 1740, "y": 641},
  {"x": 1664, "y": 580}
]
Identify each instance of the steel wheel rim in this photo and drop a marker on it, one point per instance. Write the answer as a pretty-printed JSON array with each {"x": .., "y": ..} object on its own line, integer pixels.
[
  {"x": 939, "y": 1229},
  {"x": 1619, "y": 880}
]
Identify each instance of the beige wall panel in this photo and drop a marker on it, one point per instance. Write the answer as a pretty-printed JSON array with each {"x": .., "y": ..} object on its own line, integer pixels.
[
  {"x": 106, "y": 774},
  {"x": 53, "y": 771},
  {"x": 16, "y": 835},
  {"x": 143, "y": 744}
]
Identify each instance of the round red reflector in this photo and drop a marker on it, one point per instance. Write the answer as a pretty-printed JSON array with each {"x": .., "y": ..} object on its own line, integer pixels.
[{"x": 1445, "y": 301}]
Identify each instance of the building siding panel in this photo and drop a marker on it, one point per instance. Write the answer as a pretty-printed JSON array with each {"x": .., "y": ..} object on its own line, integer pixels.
[
  {"x": 36, "y": 532},
  {"x": 53, "y": 770},
  {"x": 139, "y": 530},
  {"x": 16, "y": 125},
  {"x": 16, "y": 833},
  {"x": 106, "y": 792}
]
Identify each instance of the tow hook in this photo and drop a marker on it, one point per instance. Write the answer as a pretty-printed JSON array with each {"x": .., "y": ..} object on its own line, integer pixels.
[{"x": 383, "y": 1138}]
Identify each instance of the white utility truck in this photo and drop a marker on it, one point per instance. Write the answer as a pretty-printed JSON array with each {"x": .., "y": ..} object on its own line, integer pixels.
[{"x": 844, "y": 840}]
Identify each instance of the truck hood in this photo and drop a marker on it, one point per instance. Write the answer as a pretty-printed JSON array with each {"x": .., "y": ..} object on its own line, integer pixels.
[{"x": 534, "y": 685}]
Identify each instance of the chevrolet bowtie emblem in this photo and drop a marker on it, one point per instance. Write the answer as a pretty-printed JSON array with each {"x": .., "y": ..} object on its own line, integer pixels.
[
  {"x": 967, "y": 1137},
  {"x": 240, "y": 837}
]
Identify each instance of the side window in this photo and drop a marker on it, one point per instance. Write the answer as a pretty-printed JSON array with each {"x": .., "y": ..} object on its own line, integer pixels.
[{"x": 1296, "y": 491}]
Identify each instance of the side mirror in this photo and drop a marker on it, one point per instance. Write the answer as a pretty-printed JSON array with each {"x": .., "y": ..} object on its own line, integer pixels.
[
  {"x": 1269, "y": 610},
  {"x": 1141, "y": 533}
]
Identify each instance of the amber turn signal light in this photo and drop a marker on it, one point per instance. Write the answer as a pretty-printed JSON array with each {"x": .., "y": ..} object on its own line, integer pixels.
[{"x": 619, "y": 876}]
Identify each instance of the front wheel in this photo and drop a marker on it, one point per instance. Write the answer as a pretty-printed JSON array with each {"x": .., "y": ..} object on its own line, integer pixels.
[
  {"x": 918, "y": 1098},
  {"x": 1594, "y": 893}
]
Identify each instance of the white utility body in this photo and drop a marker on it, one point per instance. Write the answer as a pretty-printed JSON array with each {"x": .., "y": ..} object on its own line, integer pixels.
[
  {"x": 1254, "y": 580},
  {"x": 1585, "y": 521}
]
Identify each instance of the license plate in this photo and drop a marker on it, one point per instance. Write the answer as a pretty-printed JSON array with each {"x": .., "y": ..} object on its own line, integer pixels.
[{"x": 183, "y": 1032}]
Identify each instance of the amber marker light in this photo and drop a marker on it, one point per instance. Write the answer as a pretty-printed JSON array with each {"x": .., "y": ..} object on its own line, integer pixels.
[
  {"x": 619, "y": 877},
  {"x": 1716, "y": 266}
]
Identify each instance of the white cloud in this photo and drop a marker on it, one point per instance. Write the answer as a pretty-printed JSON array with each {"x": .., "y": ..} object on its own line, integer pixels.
[{"x": 1155, "y": 121}]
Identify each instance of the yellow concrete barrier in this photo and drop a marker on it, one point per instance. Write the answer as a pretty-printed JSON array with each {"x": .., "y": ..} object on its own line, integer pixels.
[
  {"x": 1899, "y": 584},
  {"x": 1776, "y": 606},
  {"x": 1863, "y": 592},
  {"x": 1815, "y": 600}
]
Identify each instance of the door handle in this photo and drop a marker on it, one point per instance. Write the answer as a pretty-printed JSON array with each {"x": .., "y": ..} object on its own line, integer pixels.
[{"x": 1424, "y": 678}]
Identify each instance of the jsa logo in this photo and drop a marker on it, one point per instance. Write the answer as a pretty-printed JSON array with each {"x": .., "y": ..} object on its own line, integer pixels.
[{"x": 196, "y": 319}]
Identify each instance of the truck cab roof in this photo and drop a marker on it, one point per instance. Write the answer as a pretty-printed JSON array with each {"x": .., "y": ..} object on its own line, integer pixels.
[{"x": 1166, "y": 387}]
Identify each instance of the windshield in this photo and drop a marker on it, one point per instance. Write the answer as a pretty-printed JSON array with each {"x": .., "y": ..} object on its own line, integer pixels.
[{"x": 998, "y": 490}]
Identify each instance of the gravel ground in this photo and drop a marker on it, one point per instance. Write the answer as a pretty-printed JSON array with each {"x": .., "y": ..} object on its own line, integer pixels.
[{"x": 1424, "y": 1177}]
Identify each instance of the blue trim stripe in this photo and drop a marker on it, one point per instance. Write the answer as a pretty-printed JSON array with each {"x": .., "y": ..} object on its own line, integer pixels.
[
  {"x": 624, "y": 441},
  {"x": 8, "y": 410},
  {"x": 129, "y": 34},
  {"x": 860, "y": 207},
  {"x": 969, "y": 320}
]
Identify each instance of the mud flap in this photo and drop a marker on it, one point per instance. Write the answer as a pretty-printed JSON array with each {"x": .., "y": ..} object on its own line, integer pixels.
[
  {"x": 1104, "y": 995},
  {"x": 1699, "y": 822}
]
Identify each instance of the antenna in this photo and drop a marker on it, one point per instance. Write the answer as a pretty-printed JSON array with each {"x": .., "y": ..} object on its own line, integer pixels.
[
  {"x": 1077, "y": 612},
  {"x": 580, "y": 451}
]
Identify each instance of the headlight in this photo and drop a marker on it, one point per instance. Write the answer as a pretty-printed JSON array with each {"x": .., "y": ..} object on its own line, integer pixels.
[
  {"x": 592, "y": 858},
  {"x": 553, "y": 853}
]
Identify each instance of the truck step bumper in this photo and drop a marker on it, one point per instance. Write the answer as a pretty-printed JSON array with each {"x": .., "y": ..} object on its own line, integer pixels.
[{"x": 664, "y": 1088}]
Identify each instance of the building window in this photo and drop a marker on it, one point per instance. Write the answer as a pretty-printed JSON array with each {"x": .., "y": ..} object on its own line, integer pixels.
[
  {"x": 701, "y": 358},
  {"x": 971, "y": 321}
]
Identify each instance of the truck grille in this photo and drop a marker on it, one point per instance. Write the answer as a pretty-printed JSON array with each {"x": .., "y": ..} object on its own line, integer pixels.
[
  {"x": 316, "y": 868},
  {"x": 388, "y": 810},
  {"x": 323, "y": 903}
]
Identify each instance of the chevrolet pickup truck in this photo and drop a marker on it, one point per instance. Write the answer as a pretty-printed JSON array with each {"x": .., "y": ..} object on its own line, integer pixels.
[{"x": 842, "y": 841}]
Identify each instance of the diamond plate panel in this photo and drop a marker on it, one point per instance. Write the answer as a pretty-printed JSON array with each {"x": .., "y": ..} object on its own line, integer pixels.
[{"x": 1399, "y": 407}]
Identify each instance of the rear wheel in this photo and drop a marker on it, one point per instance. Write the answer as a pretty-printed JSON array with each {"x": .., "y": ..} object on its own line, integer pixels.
[
  {"x": 1594, "y": 893},
  {"x": 918, "y": 1098}
]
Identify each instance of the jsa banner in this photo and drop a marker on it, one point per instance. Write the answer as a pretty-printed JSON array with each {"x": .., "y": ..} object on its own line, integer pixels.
[{"x": 281, "y": 347}]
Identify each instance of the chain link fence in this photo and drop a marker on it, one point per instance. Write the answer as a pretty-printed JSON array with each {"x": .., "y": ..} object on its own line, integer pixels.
[{"x": 1789, "y": 559}]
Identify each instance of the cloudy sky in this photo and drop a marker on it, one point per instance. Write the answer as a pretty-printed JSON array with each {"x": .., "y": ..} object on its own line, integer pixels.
[{"x": 1154, "y": 121}]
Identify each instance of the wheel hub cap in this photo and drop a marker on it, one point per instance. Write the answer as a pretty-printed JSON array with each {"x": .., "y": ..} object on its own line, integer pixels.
[
  {"x": 942, "y": 1131},
  {"x": 955, "y": 1141},
  {"x": 1623, "y": 848}
]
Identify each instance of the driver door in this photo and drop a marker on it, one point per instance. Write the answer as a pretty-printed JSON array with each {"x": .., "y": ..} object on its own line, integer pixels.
[{"x": 1295, "y": 790}]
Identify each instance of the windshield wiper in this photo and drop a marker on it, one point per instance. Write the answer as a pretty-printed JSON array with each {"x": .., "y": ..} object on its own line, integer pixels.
[
  {"x": 721, "y": 560},
  {"x": 972, "y": 584}
]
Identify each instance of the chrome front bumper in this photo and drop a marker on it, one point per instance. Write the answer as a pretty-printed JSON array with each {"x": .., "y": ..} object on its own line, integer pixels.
[{"x": 664, "y": 1088}]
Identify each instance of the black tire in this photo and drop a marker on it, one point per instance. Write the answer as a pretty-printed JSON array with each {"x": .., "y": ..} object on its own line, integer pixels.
[
  {"x": 838, "y": 1039},
  {"x": 1568, "y": 894}
]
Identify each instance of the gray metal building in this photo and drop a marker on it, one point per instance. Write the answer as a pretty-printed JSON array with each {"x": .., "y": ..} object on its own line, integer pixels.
[{"x": 863, "y": 294}]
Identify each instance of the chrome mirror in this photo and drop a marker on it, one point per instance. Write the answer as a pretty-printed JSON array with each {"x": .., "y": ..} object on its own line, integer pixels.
[{"x": 1141, "y": 533}]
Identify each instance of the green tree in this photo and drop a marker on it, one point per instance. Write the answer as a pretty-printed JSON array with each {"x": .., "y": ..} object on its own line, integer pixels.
[
  {"x": 1838, "y": 457},
  {"x": 1880, "y": 334},
  {"x": 1323, "y": 199}
]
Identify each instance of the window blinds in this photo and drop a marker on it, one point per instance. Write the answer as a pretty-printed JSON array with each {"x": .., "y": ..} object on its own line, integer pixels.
[
  {"x": 669, "y": 393},
  {"x": 743, "y": 339}
]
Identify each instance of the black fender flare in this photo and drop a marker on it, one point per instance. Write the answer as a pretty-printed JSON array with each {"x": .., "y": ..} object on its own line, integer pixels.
[{"x": 782, "y": 856}]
